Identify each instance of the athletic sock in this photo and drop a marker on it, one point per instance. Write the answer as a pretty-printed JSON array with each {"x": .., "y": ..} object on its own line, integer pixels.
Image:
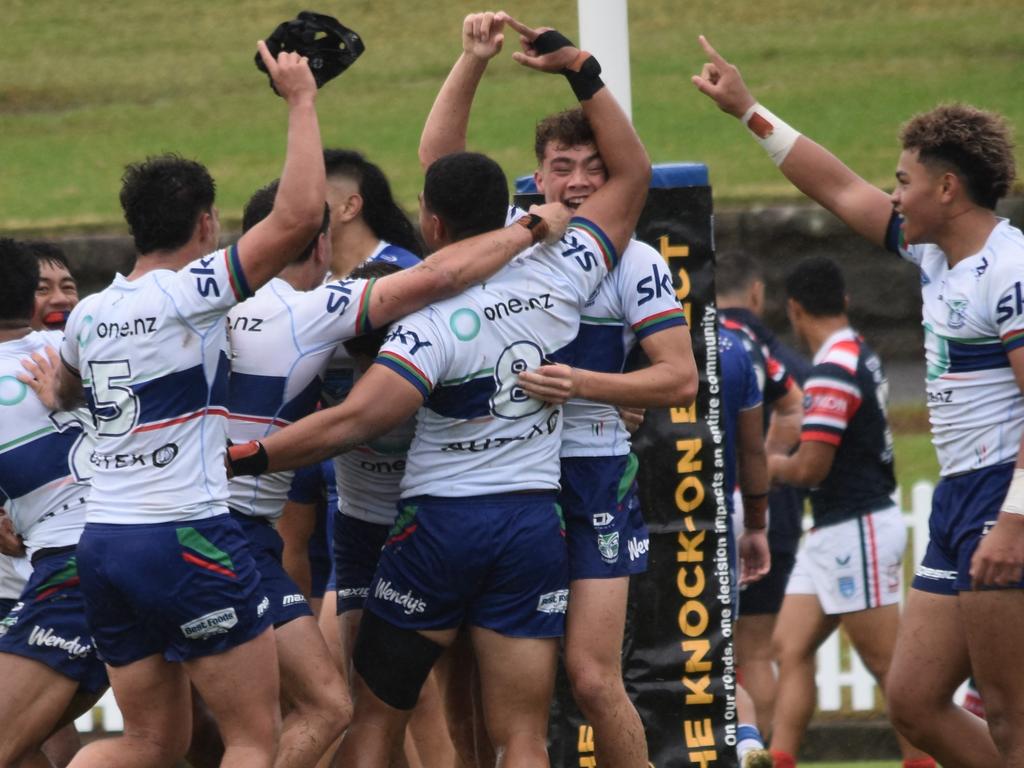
[
  {"x": 783, "y": 759},
  {"x": 748, "y": 738},
  {"x": 921, "y": 762}
]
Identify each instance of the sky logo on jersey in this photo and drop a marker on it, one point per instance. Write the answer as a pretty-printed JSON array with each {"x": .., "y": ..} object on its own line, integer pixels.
[
  {"x": 465, "y": 324},
  {"x": 1010, "y": 306},
  {"x": 553, "y": 602},
  {"x": 654, "y": 287},
  {"x": 210, "y": 624},
  {"x": 407, "y": 338}
]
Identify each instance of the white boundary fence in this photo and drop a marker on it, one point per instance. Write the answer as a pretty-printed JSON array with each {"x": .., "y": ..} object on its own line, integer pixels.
[{"x": 839, "y": 667}]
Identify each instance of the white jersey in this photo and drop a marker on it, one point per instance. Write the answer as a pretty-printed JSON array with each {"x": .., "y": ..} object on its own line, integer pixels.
[
  {"x": 635, "y": 301},
  {"x": 369, "y": 477},
  {"x": 281, "y": 341},
  {"x": 14, "y": 573},
  {"x": 152, "y": 354},
  {"x": 44, "y": 466},
  {"x": 973, "y": 316},
  {"x": 478, "y": 432}
]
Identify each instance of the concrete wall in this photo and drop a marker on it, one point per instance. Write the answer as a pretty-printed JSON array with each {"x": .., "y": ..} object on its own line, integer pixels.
[{"x": 884, "y": 290}]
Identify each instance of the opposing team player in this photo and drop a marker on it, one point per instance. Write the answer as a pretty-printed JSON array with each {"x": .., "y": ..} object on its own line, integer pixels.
[
  {"x": 479, "y": 540},
  {"x": 47, "y": 660},
  {"x": 849, "y": 567},
  {"x": 740, "y": 298},
  {"x": 957, "y": 162},
  {"x": 606, "y": 533},
  {"x": 171, "y": 589}
]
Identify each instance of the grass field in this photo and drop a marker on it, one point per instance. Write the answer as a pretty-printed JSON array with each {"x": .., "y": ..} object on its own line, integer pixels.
[{"x": 87, "y": 87}]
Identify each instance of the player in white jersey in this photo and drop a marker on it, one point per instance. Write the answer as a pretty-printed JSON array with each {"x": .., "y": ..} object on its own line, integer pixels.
[
  {"x": 966, "y": 608},
  {"x": 478, "y": 539},
  {"x": 605, "y": 530},
  {"x": 171, "y": 591},
  {"x": 50, "y": 669}
]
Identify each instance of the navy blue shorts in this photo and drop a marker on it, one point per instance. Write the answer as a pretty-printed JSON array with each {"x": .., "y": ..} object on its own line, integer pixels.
[
  {"x": 765, "y": 595},
  {"x": 357, "y": 546},
  {"x": 964, "y": 508},
  {"x": 48, "y": 623},
  {"x": 6, "y": 603},
  {"x": 605, "y": 529},
  {"x": 287, "y": 602},
  {"x": 496, "y": 561},
  {"x": 181, "y": 589}
]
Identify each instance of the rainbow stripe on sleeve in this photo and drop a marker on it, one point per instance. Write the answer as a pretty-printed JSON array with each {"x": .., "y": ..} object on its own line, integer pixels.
[
  {"x": 408, "y": 371},
  {"x": 604, "y": 243},
  {"x": 670, "y": 318},
  {"x": 363, "y": 324},
  {"x": 239, "y": 285}
]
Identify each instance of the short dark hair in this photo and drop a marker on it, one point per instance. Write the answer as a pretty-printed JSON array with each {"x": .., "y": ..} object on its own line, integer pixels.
[
  {"x": 570, "y": 128},
  {"x": 262, "y": 203},
  {"x": 735, "y": 271},
  {"x": 19, "y": 278},
  {"x": 162, "y": 198},
  {"x": 382, "y": 214},
  {"x": 369, "y": 344},
  {"x": 974, "y": 144},
  {"x": 49, "y": 253},
  {"x": 817, "y": 285},
  {"x": 468, "y": 192}
]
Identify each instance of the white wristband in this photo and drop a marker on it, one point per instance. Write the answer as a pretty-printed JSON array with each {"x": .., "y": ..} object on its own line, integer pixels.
[
  {"x": 776, "y": 136},
  {"x": 1014, "y": 501}
]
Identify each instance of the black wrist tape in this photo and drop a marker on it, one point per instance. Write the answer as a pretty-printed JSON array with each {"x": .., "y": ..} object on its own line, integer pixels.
[
  {"x": 248, "y": 458},
  {"x": 584, "y": 75},
  {"x": 551, "y": 41}
]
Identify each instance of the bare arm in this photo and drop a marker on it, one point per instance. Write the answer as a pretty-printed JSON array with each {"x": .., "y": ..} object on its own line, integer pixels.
[
  {"x": 445, "y": 129},
  {"x": 807, "y": 468},
  {"x": 616, "y": 206},
  {"x": 670, "y": 379},
  {"x": 296, "y": 526},
  {"x": 457, "y": 266},
  {"x": 379, "y": 402},
  {"x": 787, "y": 416},
  {"x": 810, "y": 167},
  {"x": 752, "y": 470},
  {"x": 999, "y": 558},
  {"x": 299, "y": 205}
]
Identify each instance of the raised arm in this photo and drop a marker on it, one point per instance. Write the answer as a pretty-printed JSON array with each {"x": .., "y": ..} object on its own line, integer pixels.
[
  {"x": 445, "y": 129},
  {"x": 454, "y": 268},
  {"x": 616, "y": 206},
  {"x": 811, "y": 168},
  {"x": 299, "y": 205}
]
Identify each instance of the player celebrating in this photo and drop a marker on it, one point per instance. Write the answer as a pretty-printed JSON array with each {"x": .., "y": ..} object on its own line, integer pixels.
[
  {"x": 478, "y": 540},
  {"x": 957, "y": 162},
  {"x": 49, "y": 666},
  {"x": 605, "y": 529},
  {"x": 171, "y": 590}
]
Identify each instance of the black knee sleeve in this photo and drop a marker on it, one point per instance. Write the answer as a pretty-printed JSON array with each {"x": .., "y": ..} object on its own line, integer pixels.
[{"x": 393, "y": 662}]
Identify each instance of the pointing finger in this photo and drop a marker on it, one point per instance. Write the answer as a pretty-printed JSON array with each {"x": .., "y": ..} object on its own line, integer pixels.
[
  {"x": 267, "y": 57},
  {"x": 528, "y": 32},
  {"x": 714, "y": 55}
]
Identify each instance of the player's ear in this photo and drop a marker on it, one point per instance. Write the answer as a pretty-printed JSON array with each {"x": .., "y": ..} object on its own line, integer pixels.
[
  {"x": 538, "y": 179},
  {"x": 950, "y": 186},
  {"x": 352, "y": 208},
  {"x": 207, "y": 228}
]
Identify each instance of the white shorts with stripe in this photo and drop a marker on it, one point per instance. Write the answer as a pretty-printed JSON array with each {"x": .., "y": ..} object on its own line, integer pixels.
[{"x": 852, "y": 565}]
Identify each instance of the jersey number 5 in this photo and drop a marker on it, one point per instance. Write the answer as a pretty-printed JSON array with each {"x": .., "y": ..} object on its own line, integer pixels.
[{"x": 116, "y": 405}]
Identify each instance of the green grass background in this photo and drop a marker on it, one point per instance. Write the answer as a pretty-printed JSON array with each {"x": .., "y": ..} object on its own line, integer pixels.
[{"x": 87, "y": 87}]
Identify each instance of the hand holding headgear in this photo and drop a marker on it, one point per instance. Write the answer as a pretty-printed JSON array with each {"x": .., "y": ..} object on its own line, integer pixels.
[{"x": 330, "y": 47}]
